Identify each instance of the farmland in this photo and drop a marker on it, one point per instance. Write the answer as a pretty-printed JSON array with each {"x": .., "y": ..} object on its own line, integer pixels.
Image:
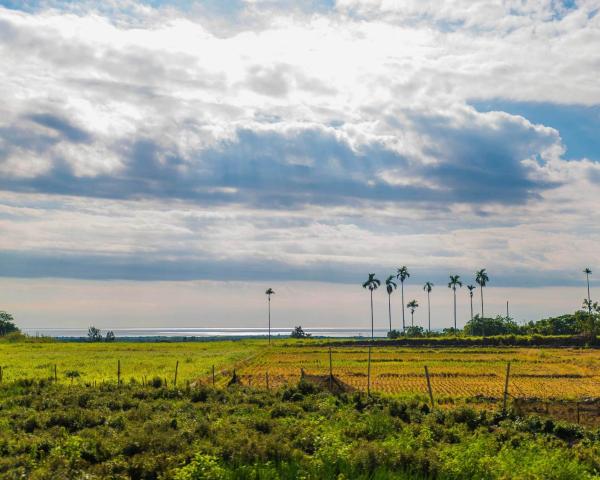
[
  {"x": 148, "y": 427},
  {"x": 456, "y": 373}
]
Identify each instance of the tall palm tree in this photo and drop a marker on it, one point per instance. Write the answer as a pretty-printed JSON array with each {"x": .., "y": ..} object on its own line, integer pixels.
[
  {"x": 390, "y": 287},
  {"x": 588, "y": 272},
  {"x": 413, "y": 304},
  {"x": 471, "y": 288},
  {"x": 372, "y": 284},
  {"x": 481, "y": 278},
  {"x": 268, "y": 293},
  {"x": 402, "y": 275},
  {"x": 428, "y": 287},
  {"x": 453, "y": 283}
]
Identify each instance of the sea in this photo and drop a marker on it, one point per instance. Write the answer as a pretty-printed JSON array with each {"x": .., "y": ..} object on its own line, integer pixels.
[{"x": 205, "y": 332}]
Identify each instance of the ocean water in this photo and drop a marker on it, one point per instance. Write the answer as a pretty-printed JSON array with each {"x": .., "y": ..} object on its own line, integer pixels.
[{"x": 205, "y": 332}]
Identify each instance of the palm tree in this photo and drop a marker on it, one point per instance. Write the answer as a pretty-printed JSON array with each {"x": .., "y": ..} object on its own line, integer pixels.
[
  {"x": 428, "y": 287},
  {"x": 402, "y": 275},
  {"x": 471, "y": 288},
  {"x": 390, "y": 286},
  {"x": 453, "y": 283},
  {"x": 268, "y": 293},
  {"x": 481, "y": 278},
  {"x": 588, "y": 272},
  {"x": 413, "y": 304},
  {"x": 372, "y": 284}
]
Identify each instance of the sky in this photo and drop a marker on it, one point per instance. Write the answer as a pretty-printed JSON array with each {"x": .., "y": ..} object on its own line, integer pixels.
[{"x": 164, "y": 162}]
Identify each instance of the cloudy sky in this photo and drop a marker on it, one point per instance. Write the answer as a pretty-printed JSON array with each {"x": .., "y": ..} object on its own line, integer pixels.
[{"x": 163, "y": 162}]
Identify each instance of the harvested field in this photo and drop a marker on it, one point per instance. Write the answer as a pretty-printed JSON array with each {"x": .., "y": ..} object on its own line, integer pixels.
[{"x": 565, "y": 373}]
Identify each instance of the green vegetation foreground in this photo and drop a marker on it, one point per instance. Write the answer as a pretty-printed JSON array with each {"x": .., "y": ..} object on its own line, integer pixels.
[{"x": 153, "y": 432}]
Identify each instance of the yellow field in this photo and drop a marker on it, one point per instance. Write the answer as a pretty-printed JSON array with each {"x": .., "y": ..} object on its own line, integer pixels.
[{"x": 456, "y": 373}]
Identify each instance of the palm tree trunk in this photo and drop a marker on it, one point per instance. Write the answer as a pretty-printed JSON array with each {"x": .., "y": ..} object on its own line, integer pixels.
[
  {"x": 390, "y": 309},
  {"x": 372, "y": 334},
  {"x": 455, "y": 311},
  {"x": 589, "y": 298},
  {"x": 482, "y": 321},
  {"x": 481, "y": 291},
  {"x": 428, "y": 313},
  {"x": 412, "y": 319},
  {"x": 403, "y": 323},
  {"x": 269, "y": 319},
  {"x": 471, "y": 307}
]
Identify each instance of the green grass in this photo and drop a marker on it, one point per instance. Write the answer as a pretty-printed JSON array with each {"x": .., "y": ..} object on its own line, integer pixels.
[{"x": 97, "y": 362}]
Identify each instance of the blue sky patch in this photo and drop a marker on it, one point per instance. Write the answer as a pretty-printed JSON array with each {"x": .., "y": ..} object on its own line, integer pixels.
[{"x": 579, "y": 126}]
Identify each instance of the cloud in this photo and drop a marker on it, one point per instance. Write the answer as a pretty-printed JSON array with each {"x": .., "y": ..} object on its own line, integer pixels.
[
  {"x": 279, "y": 140},
  {"x": 62, "y": 126},
  {"x": 288, "y": 166}
]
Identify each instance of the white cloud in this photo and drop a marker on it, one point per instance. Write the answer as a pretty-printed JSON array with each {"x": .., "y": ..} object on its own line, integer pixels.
[{"x": 384, "y": 86}]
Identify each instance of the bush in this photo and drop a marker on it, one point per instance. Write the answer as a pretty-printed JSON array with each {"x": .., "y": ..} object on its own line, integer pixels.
[
  {"x": 202, "y": 467},
  {"x": 393, "y": 334},
  {"x": 156, "y": 382}
]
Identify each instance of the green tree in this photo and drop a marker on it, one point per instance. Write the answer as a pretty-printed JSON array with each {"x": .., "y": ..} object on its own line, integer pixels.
[
  {"x": 588, "y": 272},
  {"x": 413, "y": 331},
  {"x": 428, "y": 287},
  {"x": 453, "y": 283},
  {"x": 110, "y": 336},
  {"x": 588, "y": 324},
  {"x": 492, "y": 326},
  {"x": 268, "y": 293},
  {"x": 402, "y": 275},
  {"x": 298, "y": 332},
  {"x": 471, "y": 289},
  {"x": 372, "y": 283},
  {"x": 412, "y": 305},
  {"x": 94, "y": 334},
  {"x": 390, "y": 286},
  {"x": 7, "y": 324}
]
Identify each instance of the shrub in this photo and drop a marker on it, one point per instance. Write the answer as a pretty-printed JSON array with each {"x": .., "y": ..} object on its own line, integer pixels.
[
  {"x": 199, "y": 394},
  {"x": 202, "y": 467},
  {"x": 156, "y": 382}
]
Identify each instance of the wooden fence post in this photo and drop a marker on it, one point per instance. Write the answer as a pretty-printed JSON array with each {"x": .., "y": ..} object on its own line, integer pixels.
[
  {"x": 369, "y": 373},
  {"x": 55, "y": 374},
  {"x": 330, "y": 371},
  {"x": 213, "y": 375},
  {"x": 1, "y": 373},
  {"x": 119, "y": 372},
  {"x": 506, "y": 388},
  {"x": 267, "y": 379},
  {"x": 429, "y": 387},
  {"x": 176, "y": 368},
  {"x": 577, "y": 410}
]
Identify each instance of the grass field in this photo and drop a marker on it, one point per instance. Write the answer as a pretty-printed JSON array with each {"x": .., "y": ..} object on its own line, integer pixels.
[
  {"x": 97, "y": 362},
  {"x": 455, "y": 372}
]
